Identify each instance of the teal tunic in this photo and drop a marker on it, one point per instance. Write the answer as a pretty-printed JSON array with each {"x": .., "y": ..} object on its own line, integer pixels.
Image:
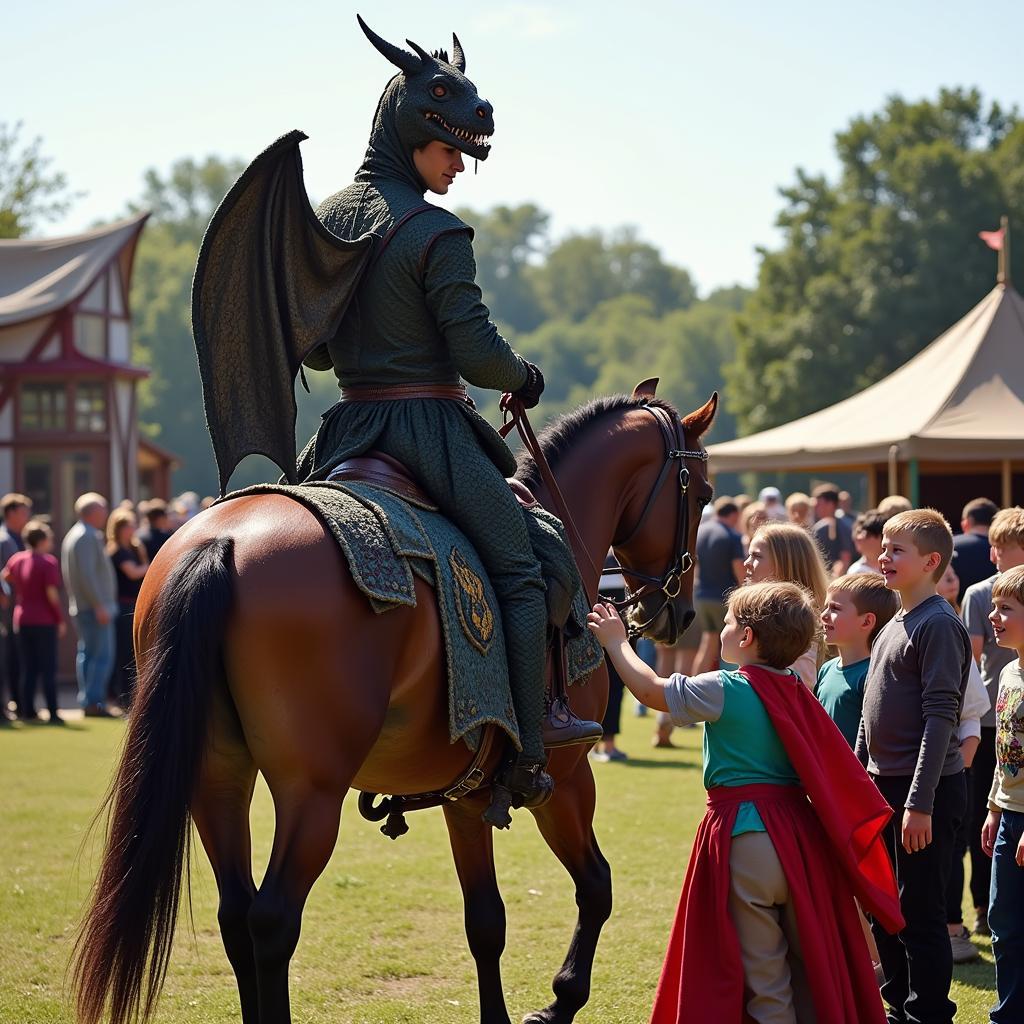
[
  {"x": 741, "y": 746},
  {"x": 841, "y": 692}
]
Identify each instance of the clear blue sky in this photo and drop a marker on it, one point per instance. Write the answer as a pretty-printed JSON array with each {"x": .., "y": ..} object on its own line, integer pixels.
[{"x": 680, "y": 118}]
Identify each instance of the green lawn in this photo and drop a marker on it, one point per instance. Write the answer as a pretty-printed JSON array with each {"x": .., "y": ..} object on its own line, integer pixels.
[{"x": 382, "y": 934}]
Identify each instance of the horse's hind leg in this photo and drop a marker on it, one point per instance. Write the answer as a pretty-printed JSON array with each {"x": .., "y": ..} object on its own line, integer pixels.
[
  {"x": 566, "y": 822},
  {"x": 472, "y": 848},
  {"x": 305, "y": 832},
  {"x": 220, "y": 809}
]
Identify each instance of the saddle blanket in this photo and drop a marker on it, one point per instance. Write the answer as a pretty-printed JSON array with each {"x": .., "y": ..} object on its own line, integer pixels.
[{"x": 388, "y": 540}]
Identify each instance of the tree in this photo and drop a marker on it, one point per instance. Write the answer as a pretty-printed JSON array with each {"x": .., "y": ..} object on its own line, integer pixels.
[
  {"x": 583, "y": 271},
  {"x": 875, "y": 265},
  {"x": 29, "y": 191}
]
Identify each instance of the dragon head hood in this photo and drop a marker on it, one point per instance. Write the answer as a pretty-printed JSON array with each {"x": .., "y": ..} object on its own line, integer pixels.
[{"x": 430, "y": 100}]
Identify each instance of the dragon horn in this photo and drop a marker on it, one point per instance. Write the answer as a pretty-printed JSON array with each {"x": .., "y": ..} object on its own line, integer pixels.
[
  {"x": 458, "y": 55},
  {"x": 403, "y": 60},
  {"x": 424, "y": 56}
]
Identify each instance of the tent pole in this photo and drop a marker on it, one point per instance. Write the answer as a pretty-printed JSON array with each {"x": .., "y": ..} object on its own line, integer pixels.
[
  {"x": 1004, "y": 252},
  {"x": 872, "y": 487},
  {"x": 915, "y": 483},
  {"x": 1007, "y": 483},
  {"x": 894, "y": 469}
]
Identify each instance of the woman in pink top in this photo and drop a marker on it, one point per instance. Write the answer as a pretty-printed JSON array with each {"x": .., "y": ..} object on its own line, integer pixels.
[{"x": 34, "y": 575}]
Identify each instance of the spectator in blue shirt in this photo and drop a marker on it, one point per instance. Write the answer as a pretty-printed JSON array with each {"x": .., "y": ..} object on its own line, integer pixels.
[{"x": 720, "y": 557}]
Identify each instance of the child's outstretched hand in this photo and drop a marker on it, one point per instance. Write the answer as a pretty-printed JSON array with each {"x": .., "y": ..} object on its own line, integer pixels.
[{"x": 605, "y": 624}]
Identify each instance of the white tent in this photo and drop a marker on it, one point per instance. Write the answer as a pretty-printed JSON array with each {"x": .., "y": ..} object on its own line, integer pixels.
[{"x": 958, "y": 401}]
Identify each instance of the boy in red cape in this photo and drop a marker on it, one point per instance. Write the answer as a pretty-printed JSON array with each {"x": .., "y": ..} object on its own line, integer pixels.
[{"x": 767, "y": 927}]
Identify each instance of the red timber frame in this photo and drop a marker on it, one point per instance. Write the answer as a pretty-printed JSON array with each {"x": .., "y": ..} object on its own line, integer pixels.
[{"x": 72, "y": 369}]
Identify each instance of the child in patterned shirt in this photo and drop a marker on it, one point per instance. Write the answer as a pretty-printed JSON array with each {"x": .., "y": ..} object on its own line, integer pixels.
[{"x": 1002, "y": 835}]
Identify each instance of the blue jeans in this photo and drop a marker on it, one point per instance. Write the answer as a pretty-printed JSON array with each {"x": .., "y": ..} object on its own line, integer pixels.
[
  {"x": 1006, "y": 919},
  {"x": 95, "y": 659}
]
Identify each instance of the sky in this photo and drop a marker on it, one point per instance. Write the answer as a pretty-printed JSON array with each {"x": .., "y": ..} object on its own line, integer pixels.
[{"x": 682, "y": 119}]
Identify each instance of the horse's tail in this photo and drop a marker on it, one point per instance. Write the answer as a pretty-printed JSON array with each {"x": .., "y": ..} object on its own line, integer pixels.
[{"x": 125, "y": 940}]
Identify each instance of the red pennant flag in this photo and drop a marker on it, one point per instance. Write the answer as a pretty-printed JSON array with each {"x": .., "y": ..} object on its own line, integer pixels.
[{"x": 993, "y": 239}]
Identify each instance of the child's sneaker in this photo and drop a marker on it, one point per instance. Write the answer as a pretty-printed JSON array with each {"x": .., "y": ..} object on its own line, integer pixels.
[{"x": 964, "y": 950}]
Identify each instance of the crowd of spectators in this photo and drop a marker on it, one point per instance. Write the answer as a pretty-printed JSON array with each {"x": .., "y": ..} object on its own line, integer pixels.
[{"x": 103, "y": 560}]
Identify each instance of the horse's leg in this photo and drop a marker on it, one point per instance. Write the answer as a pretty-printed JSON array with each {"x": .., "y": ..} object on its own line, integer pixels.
[
  {"x": 312, "y": 702},
  {"x": 220, "y": 809},
  {"x": 472, "y": 848},
  {"x": 566, "y": 822}
]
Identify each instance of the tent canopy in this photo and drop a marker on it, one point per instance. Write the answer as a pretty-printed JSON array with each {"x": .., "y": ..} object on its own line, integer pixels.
[
  {"x": 961, "y": 398},
  {"x": 40, "y": 276}
]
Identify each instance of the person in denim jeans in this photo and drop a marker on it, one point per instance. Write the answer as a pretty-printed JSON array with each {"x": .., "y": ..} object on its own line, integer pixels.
[
  {"x": 92, "y": 601},
  {"x": 1002, "y": 835}
]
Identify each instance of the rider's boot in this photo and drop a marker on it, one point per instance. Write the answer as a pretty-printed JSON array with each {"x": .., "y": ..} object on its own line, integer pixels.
[{"x": 563, "y": 728}]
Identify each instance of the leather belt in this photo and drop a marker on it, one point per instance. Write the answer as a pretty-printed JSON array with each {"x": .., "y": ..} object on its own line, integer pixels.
[{"x": 398, "y": 392}]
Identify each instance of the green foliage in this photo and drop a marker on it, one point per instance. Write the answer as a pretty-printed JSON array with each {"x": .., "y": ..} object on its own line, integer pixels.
[
  {"x": 29, "y": 191},
  {"x": 583, "y": 271},
  {"x": 171, "y": 407},
  {"x": 876, "y": 264},
  {"x": 623, "y": 341}
]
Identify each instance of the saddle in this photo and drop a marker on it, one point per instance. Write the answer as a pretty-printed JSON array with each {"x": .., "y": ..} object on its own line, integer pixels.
[{"x": 381, "y": 469}]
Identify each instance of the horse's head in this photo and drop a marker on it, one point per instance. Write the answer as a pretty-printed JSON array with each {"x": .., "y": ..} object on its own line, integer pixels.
[{"x": 658, "y": 533}]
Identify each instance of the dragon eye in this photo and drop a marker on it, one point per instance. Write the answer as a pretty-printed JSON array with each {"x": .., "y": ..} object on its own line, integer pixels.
[{"x": 439, "y": 91}]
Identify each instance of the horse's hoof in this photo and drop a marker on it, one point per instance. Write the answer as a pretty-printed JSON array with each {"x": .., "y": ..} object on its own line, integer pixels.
[{"x": 549, "y": 1015}]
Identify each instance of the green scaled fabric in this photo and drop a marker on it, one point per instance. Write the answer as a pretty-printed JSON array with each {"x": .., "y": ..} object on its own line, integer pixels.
[{"x": 271, "y": 285}]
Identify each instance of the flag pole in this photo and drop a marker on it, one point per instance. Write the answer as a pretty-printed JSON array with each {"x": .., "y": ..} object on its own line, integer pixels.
[{"x": 1004, "y": 252}]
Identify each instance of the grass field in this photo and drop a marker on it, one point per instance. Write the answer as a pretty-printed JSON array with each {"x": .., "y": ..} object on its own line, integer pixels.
[{"x": 382, "y": 934}]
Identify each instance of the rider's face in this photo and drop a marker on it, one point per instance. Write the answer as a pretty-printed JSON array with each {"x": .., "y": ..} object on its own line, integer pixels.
[{"x": 438, "y": 164}]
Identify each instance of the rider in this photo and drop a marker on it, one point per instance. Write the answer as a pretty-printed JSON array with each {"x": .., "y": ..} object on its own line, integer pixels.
[{"x": 416, "y": 327}]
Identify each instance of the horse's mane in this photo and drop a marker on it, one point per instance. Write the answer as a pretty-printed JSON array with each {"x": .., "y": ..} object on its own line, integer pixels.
[{"x": 558, "y": 436}]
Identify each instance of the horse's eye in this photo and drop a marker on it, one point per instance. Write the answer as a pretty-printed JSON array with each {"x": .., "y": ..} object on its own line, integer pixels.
[{"x": 440, "y": 91}]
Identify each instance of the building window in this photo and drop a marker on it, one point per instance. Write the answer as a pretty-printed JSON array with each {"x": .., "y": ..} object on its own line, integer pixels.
[
  {"x": 91, "y": 335},
  {"x": 38, "y": 482},
  {"x": 91, "y": 408},
  {"x": 43, "y": 407}
]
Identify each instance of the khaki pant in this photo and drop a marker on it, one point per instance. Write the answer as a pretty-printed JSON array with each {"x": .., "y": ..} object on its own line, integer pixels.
[{"x": 776, "y": 982}]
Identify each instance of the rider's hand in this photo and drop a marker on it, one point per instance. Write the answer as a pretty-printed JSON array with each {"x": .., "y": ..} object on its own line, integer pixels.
[
  {"x": 529, "y": 394},
  {"x": 605, "y": 624}
]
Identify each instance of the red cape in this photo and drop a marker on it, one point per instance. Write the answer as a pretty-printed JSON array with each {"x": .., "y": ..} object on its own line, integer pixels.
[{"x": 831, "y": 850}]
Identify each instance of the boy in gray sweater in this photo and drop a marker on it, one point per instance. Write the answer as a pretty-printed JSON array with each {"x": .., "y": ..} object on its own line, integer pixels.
[{"x": 908, "y": 742}]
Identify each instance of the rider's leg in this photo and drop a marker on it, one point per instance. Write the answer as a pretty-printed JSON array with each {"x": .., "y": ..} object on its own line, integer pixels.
[{"x": 471, "y": 491}]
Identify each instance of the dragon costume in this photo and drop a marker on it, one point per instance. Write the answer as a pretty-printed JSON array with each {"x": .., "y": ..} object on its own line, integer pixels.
[{"x": 380, "y": 286}]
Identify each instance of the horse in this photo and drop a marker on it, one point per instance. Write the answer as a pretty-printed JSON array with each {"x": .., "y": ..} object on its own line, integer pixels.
[{"x": 258, "y": 654}]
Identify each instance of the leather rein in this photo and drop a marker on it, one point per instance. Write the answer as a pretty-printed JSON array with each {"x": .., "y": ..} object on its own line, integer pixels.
[{"x": 671, "y": 580}]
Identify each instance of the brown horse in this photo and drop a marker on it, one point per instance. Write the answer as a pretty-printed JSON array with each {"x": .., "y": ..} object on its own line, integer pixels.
[{"x": 257, "y": 653}]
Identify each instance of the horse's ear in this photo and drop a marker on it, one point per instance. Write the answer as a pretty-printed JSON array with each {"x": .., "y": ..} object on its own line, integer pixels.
[
  {"x": 646, "y": 388},
  {"x": 700, "y": 421}
]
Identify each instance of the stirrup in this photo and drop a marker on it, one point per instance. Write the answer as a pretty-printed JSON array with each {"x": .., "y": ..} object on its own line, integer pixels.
[{"x": 563, "y": 728}]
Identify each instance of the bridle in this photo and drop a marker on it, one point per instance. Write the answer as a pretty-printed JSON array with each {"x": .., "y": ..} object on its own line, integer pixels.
[{"x": 670, "y": 583}]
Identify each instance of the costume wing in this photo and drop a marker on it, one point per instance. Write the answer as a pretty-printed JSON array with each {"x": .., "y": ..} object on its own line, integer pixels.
[{"x": 272, "y": 285}]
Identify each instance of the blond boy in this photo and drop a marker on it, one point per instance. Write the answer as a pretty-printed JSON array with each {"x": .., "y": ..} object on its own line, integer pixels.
[
  {"x": 1006, "y": 542},
  {"x": 908, "y": 740},
  {"x": 1002, "y": 836}
]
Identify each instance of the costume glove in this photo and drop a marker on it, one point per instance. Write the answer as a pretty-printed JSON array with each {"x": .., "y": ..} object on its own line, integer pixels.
[{"x": 529, "y": 394}]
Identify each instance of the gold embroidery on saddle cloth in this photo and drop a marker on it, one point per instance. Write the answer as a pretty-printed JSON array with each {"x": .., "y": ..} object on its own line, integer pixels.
[{"x": 474, "y": 613}]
